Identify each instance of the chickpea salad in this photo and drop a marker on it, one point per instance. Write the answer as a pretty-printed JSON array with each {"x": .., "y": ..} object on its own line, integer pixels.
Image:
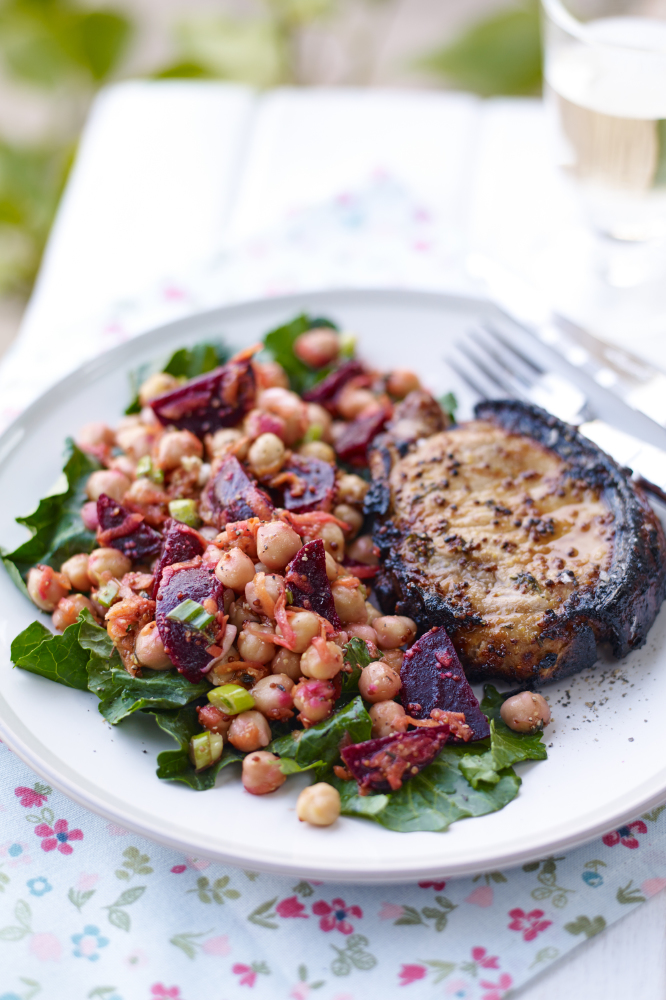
[{"x": 209, "y": 563}]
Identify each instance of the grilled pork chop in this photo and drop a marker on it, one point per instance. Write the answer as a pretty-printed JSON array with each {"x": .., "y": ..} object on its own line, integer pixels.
[{"x": 518, "y": 535}]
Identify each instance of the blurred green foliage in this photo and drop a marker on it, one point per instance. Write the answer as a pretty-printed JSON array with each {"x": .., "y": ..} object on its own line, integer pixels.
[
  {"x": 65, "y": 50},
  {"x": 500, "y": 55}
]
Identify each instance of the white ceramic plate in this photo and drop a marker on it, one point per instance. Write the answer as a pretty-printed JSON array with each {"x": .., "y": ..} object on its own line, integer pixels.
[{"x": 606, "y": 747}]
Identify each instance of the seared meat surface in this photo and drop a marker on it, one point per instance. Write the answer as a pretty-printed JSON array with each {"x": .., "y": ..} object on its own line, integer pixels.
[{"x": 520, "y": 537}]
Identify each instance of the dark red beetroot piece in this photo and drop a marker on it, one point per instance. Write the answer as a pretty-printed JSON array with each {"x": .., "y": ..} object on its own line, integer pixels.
[
  {"x": 382, "y": 765},
  {"x": 353, "y": 442},
  {"x": 120, "y": 529},
  {"x": 185, "y": 646},
  {"x": 305, "y": 577},
  {"x": 233, "y": 496},
  {"x": 432, "y": 677},
  {"x": 180, "y": 544},
  {"x": 360, "y": 570},
  {"x": 313, "y": 487},
  {"x": 325, "y": 391},
  {"x": 220, "y": 398}
]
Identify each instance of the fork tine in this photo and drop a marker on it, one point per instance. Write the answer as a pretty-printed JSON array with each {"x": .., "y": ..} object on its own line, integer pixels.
[
  {"x": 506, "y": 386},
  {"x": 469, "y": 380},
  {"x": 491, "y": 349},
  {"x": 489, "y": 327}
]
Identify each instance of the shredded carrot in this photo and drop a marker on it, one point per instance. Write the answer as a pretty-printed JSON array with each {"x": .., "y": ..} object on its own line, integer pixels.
[
  {"x": 352, "y": 582},
  {"x": 246, "y": 353},
  {"x": 302, "y": 522},
  {"x": 267, "y": 602}
]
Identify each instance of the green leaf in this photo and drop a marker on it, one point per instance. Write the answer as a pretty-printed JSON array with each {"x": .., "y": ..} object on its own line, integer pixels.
[
  {"x": 280, "y": 345},
  {"x": 410, "y": 917},
  {"x": 583, "y": 925},
  {"x": 322, "y": 742},
  {"x": 103, "y": 39},
  {"x": 442, "y": 970},
  {"x": 121, "y": 694},
  {"x": 262, "y": 915},
  {"x": 498, "y": 55},
  {"x": 59, "y": 658},
  {"x": 506, "y": 748},
  {"x": 23, "y": 913},
  {"x": 289, "y": 766},
  {"x": 186, "y": 363},
  {"x": 492, "y": 702},
  {"x": 119, "y": 919},
  {"x": 56, "y": 526},
  {"x": 175, "y": 765},
  {"x": 130, "y": 896},
  {"x": 625, "y": 894},
  {"x": 13, "y": 933},
  {"x": 449, "y": 404},
  {"x": 433, "y": 799}
]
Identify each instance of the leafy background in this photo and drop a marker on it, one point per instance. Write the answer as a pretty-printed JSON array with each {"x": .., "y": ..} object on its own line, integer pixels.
[{"x": 55, "y": 55}]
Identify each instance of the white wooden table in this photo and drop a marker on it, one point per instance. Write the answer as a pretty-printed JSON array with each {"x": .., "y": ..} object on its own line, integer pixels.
[{"x": 166, "y": 171}]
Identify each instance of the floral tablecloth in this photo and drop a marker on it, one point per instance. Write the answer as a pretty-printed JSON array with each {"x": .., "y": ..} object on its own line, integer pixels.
[{"x": 89, "y": 910}]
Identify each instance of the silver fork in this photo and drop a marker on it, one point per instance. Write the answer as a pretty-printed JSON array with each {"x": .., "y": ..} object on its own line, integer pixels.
[{"x": 495, "y": 368}]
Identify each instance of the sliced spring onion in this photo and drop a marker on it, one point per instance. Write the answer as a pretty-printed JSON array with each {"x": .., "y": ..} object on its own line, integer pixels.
[
  {"x": 191, "y": 613},
  {"x": 108, "y": 593},
  {"x": 313, "y": 433},
  {"x": 347, "y": 344},
  {"x": 231, "y": 699},
  {"x": 185, "y": 511},
  {"x": 145, "y": 467},
  {"x": 205, "y": 749}
]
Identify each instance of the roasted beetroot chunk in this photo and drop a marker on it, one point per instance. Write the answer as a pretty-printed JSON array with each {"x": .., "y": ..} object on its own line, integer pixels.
[
  {"x": 382, "y": 765},
  {"x": 311, "y": 485},
  {"x": 432, "y": 677},
  {"x": 185, "y": 646},
  {"x": 325, "y": 391},
  {"x": 120, "y": 529},
  {"x": 220, "y": 398},
  {"x": 357, "y": 436},
  {"x": 232, "y": 496},
  {"x": 180, "y": 544},
  {"x": 305, "y": 577}
]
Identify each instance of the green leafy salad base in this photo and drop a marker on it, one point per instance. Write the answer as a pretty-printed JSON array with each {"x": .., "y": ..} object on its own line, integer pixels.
[{"x": 465, "y": 780}]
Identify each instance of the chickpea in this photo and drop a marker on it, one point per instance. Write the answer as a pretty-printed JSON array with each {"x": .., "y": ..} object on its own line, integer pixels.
[
  {"x": 67, "y": 611},
  {"x": 272, "y": 585},
  {"x": 89, "y": 515},
  {"x": 320, "y": 418},
  {"x": 239, "y": 613},
  {"x": 76, "y": 570},
  {"x": 364, "y": 550},
  {"x": 365, "y": 632},
  {"x": 124, "y": 464},
  {"x": 95, "y": 435},
  {"x": 235, "y": 570},
  {"x": 249, "y": 731},
  {"x": 270, "y": 373},
  {"x": 137, "y": 440},
  {"x": 401, "y": 382},
  {"x": 379, "y": 682},
  {"x": 258, "y": 422},
  {"x": 394, "y": 630},
  {"x": 115, "y": 484},
  {"x": 527, "y": 712},
  {"x": 272, "y": 696},
  {"x": 318, "y": 449},
  {"x": 46, "y": 588},
  {"x": 322, "y": 660},
  {"x": 212, "y": 719},
  {"x": 105, "y": 563},
  {"x": 386, "y": 716},
  {"x": 331, "y": 567},
  {"x": 352, "y": 401},
  {"x": 287, "y": 664},
  {"x": 144, "y": 491},
  {"x": 351, "y": 516},
  {"x": 349, "y": 604},
  {"x": 277, "y": 544},
  {"x": 149, "y": 649},
  {"x": 223, "y": 442},
  {"x": 333, "y": 539},
  {"x": 305, "y": 625},
  {"x": 266, "y": 455},
  {"x": 155, "y": 385},
  {"x": 290, "y": 407},
  {"x": 351, "y": 489},
  {"x": 394, "y": 658},
  {"x": 314, "y": 700},
  {"x": 261, "y": 773},
  {"x": 174, "y": 446},
  {"x": 317, "y": 347},
  {"x": 373, "y": 612},
  {"x": 254, "y": 649},
  {"x": 318, "y": 804}
]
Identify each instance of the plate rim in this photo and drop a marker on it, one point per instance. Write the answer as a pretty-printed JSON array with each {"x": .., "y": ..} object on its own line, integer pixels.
[{"x": 645, "y": 796}]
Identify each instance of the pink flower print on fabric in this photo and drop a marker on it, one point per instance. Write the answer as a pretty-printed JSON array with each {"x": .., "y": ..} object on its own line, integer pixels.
[
  {"x": 391, "y": 911},
  {"x": 438, "y": 886},
  {"x": 179, "y": 869},
  {"x": 136, "y": 959},
  {"x": 86, "y": 880},
  {"x": 530, "y": 924},
  {"x": 114, "y": 830},
  {"x": 17, "y": 853},
  {"x": 458, "y": 989},
  {"x": 163, "y": 992},
  {"x": 248, "y": 976},
  {"x": 57, "y": 837},
  {"x": 216, "y": 945},
  {"x": 625, "y": 835},
  {"x": 291, "y": 907},
  {"x": 30, "y": 797},
  {"x": 497, "y": 990},
  {"x": 411, "y": 974},
  {"x": 334, "y": 917},
  {"x": 482, "y": 958},
  {"x": 45, "y": 947},
  {"x": 481, "y": 896}
]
